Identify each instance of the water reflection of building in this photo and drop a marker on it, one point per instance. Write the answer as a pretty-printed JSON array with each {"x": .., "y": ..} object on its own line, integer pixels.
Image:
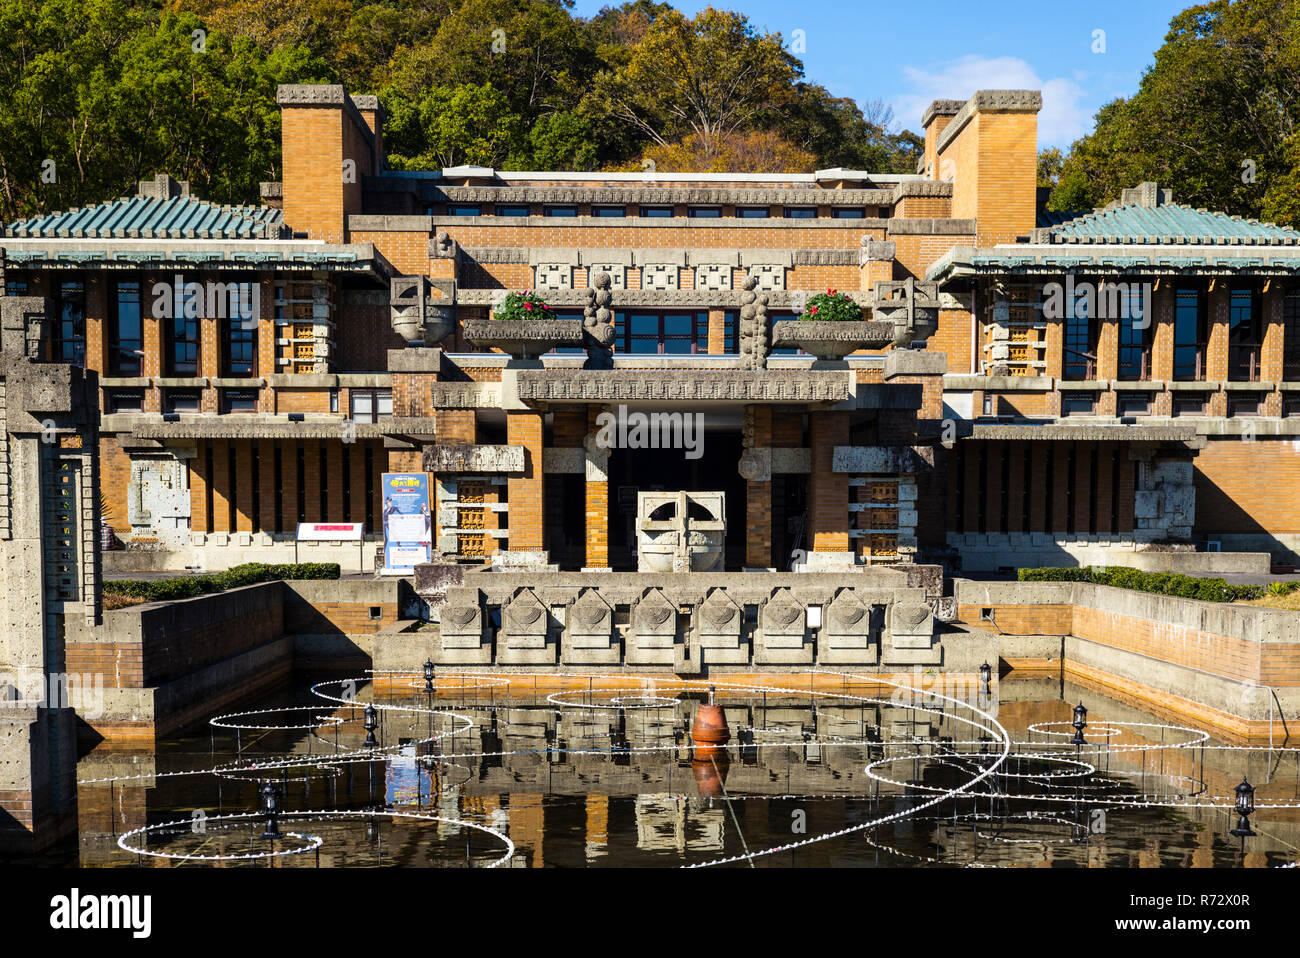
[{"x": 671, "y": 823}]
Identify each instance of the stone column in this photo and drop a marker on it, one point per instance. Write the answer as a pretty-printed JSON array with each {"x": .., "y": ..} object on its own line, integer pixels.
[
  {"x": 1271, "y": 351},
  {"x": 1216, "y": 353}
]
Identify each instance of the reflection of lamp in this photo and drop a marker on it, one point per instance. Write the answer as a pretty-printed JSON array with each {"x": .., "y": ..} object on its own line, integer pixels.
[
  {"x": 986, "y": 676},
  {"x": 428, "y": 675},
  {"x": 1245, "y": 805},
  {"x": 271, "y": 808},
  {"x": 370, "y": 724},
  {"x": 1080, "y": 723}
]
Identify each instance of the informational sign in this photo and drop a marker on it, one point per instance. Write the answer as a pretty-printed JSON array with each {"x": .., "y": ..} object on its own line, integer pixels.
[
  {"x": 408, "y": 522},
  {"x": 331, "y": 531}
]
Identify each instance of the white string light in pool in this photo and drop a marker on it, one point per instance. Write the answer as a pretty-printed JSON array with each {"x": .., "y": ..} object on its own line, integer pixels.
[{"x": 310, "y": 842}]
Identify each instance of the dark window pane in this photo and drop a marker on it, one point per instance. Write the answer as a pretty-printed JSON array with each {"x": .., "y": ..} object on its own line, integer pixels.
[
  {"x": 752, "y": 212},
  {"x": 512, "y": 211},
  {"x": 800, "y": 213},
  {"x": 705, "y": 212},
  {"x": 657, "y": 212},
  {"x": 849, "y": 213},
  {"x": 561, "y": 211},
  {"x": 464, "y": 211},
  {"x": 126, "y": 334},
  {"x": 609, "y": 211},
  {"x": 70, "y": 328}
]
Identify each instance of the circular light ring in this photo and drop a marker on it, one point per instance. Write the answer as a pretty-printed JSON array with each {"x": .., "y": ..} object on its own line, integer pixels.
[
  {"x": 311, "y": 842},
  {"x": 1198, "y": 736},
  {"x": 223, "y": 721}
]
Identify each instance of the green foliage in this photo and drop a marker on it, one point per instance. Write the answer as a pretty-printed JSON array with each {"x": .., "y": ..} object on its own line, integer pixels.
[
  {"x": 114, "y": 91},
  {"x": 1282, "y": 588},
  {"x": 187, "y": 587},
  {"x": 525, "y": 305},
  {"x": 1214, "y": 118},
  {"x": 832, "y": 307},
  {"x": 1161, "y": 583}
]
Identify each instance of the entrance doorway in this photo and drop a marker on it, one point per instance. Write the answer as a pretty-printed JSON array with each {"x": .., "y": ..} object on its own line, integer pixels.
[{"x": 668, "y": 470}]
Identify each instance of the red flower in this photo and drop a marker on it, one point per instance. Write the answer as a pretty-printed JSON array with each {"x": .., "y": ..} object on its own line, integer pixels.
[
  {"x": 813, "y": 310},
  {"x": 831, "y": 291},
  {"x": 527, "y": 305}
]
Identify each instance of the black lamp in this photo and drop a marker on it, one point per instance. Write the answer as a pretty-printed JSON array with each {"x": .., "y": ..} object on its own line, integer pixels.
[
  {"x": 271, "y": 809},
  {"x": 1245, "y": 805},
  {"x": 986, "y": 675},
  {"x": 370, "y": 724},
  {"x": 1080, "y": 723},
  {"x": 428, "y": 675}
]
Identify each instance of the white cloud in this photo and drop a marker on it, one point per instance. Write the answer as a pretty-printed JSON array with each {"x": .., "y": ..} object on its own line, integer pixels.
[{"x": 1064, "y": 116}]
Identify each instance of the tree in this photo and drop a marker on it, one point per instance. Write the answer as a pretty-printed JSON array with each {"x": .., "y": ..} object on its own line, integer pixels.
[
  {"x": 1214, "y": 117},
  {"x": 710, "y": 76},
  {"x": 759, "y": 151}
]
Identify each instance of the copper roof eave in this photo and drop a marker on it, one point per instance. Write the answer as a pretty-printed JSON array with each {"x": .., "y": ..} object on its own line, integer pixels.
[{"x": 967, "y": 263}]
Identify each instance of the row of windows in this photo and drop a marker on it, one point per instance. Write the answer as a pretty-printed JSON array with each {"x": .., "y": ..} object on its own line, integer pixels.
[
  {"x": 673, "y": 332},
  {"x": 1182, "y": 404},
  {"x": 1191, "y": 336},
  {"x": 125, "y": 334},
  {"x": 366, "y": 405},
  {"x": 653, "y": 212}
]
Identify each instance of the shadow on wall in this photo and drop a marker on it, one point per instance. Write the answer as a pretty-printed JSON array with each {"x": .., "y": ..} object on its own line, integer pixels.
[{"x": 1221, "y": 515}]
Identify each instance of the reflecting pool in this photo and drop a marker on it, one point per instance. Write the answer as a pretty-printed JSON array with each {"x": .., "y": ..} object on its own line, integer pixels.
[{"x": 820, "y": 769}]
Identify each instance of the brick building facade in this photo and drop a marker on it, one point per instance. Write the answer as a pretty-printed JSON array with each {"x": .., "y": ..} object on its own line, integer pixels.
[{"x": 1119, "y": 386}]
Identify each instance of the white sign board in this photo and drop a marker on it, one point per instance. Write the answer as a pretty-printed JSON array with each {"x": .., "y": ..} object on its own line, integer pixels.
[{"x": 331, "y": 531}]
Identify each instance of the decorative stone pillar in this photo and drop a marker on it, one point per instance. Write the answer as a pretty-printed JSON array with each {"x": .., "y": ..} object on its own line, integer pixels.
[
  {"x": 753, "y": 326},
  {"x": 598, "y": 324}
]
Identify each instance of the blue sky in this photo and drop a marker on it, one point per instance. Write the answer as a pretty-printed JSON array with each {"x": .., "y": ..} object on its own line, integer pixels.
[{"x": 908, "y": 54}]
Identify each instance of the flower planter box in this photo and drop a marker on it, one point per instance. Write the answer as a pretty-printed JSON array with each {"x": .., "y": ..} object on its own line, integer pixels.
[
  {"x": 830, "y": 341},
  {"x": 524, "y": 338}
]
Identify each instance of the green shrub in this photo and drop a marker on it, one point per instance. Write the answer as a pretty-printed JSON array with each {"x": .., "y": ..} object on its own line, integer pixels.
[
  {"x": 187, "y": 587},
  {"x": 1160, "y": 583}
]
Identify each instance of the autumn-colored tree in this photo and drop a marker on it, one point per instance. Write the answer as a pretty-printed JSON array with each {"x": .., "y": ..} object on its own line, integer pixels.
[
  {"x": 760, "y": 151},
  {"x": 711, "y": 76}
]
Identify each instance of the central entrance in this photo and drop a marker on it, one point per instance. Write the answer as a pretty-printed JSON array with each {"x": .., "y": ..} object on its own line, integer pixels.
[{"x": 668, "y": 470}]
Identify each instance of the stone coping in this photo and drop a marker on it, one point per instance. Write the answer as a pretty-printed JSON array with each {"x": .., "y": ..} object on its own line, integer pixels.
[
  {"x": 255, "y": 426},
  {"x": 685, "y": 385},
  {"x": 1145, "y": 432}
]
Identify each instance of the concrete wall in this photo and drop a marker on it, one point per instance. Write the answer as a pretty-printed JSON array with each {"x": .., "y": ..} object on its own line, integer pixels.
[{"x": 1231, "y": 667}]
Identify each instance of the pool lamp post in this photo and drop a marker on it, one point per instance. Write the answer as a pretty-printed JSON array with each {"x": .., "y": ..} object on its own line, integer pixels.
[
  {"x": 428, "y": 676},
  {"x": 986, "y": 676},
  {"x": 1080, "y": 723},
  {"x": 271, "y": 796},
  {"x": 1244, "y": 807},
  {"x": 371, "y": 723}
]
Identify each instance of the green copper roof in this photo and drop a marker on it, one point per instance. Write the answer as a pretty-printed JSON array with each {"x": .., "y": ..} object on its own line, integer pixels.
[
  {"x": 1167, "y": 223},
  {"x": 176, "y": 217}
]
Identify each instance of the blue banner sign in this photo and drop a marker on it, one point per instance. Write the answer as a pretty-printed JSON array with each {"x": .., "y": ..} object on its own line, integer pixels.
[{"x": 408, "y": 521}]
